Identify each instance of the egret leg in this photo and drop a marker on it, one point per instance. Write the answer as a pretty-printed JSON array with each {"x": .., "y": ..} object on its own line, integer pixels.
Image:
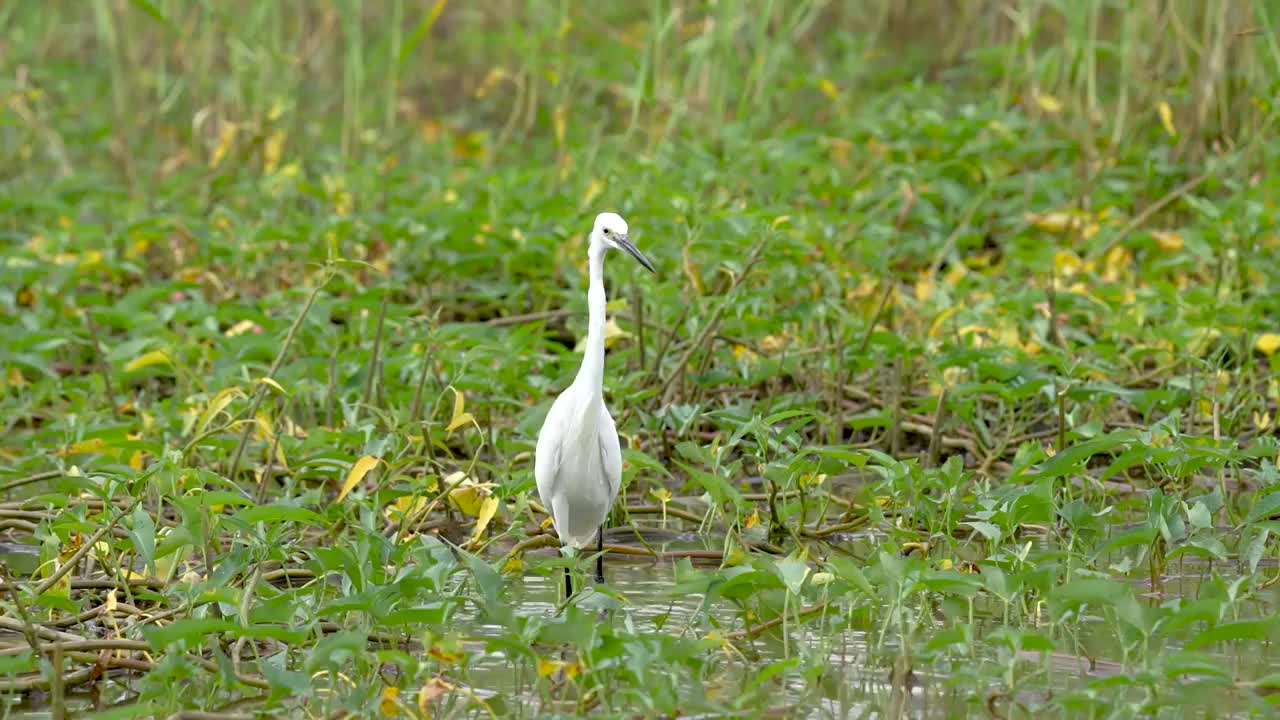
[
  {"x": 568, "y": 583},
  {"x": 600, "y": 555}
]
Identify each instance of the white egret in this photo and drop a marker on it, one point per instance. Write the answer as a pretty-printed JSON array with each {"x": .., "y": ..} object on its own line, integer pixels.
[{"x": 578, "y": 461}]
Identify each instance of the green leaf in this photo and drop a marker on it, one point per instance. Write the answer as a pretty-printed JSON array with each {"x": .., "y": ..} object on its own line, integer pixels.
[
  {"x": 24, "y": 661},
  {"x": 847, "y": 570},
  {"x": 336, "y": 650},
  {"x": 142, "y": 532},
  {"x": 186, "y": 630},
  {"x": 793, "y": 573},
  {"x": 955, "y": 635},
  {"x": 277, "y": 513},
  {"x": 1264, "y": 508},
  {"x": 1067, "y": 460},
  {"x": 1240, "y": 630},
  {"x": 127, "y": 712},
  {"x": 155, "y": 13},
  {"x": 987, "y": 530}
]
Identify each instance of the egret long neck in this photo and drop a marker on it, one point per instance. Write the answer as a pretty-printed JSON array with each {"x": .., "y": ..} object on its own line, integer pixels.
[{"x": 591, "y": 374}]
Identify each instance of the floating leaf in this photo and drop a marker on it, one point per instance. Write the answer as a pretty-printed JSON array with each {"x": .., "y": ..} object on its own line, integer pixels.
[{"x": 357, "y": 472}]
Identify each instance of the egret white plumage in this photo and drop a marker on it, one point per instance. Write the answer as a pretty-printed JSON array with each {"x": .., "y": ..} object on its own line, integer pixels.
[{"x": 578, "y": 461}]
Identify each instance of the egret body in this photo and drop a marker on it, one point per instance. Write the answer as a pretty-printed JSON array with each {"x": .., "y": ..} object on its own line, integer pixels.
[{"x": 578, "y": 461}]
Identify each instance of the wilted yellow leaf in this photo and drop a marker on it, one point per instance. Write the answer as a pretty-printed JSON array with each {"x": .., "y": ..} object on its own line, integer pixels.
[
  {"x": 92, "y": 445},
  {"x": 612, "y": 333},
  {"x": 514, "y": 565},
  {"x": 559, "y": 118},
  {"x": 1268, "y": 343},
  {"x": 358, "y": 470},
  {"x": 272, "y": 384},
  {"x": 1168, "y": 240},
  {"x": 226, "y": 138},
  {"x": 405, "y": 506},
  {"x": 488, "y": 508},
  {"x": 154, "y": 357},
  {"x": 219, "y": 403},
  {"x": 448, "y": 656},
  {"x": 467, "y": 494},
  {"x": 1166, "y": 118},
  {"x": 1048, "y": 103},
  {"x": 924, "y": 287},
  {"x": 547, "y": 667},
  {"x": 272, "y": 151},
  {"x": 829, "y": 89},
  {"x": 15, "y": 378},
  {"x": 240, "y": 328},
  {"x": 437, "y": 687},
  {"x": 390, "y": 704},
  {"x": 460, "y": 417},
  {"x": 1262, "y": 420},
  {"x": 752, "y": 520}
]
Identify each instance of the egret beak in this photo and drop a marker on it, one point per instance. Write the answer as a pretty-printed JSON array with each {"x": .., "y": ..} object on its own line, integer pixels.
[{"x": 625, "y": 243}]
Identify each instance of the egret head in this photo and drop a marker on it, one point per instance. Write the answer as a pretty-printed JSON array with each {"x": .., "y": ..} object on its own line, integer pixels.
[{"x": 610, "y": 231}]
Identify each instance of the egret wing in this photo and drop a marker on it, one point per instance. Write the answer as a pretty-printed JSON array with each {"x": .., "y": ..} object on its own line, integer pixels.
[
  {"x": 548, "y": 452},
  {"x": 610, "y": 453}
]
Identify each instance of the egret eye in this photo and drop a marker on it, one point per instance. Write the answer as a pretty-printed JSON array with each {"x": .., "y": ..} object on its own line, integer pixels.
[{"x": 607, "y": 231}]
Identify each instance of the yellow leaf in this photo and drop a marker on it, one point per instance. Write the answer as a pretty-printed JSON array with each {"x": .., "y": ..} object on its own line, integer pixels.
[
  {"x": 226, "y": 137},
  {"x": 437, "y": 687},
  {"x": 513, "y": 565},
  {"x": 240, "y": 328},
  {"x": 92, "y": 445},
  {"x": 15, "y": 378},
  {"x": 358, "y": 470},
  {"x": 1268, "y": 343},
  {"x": 272, "y": 150},
  {"x": 924, "y": 288},
  {"x": 219, "y": 403},
  {"x": 488, "y": 508},
  {"x": 547, "y": 668},
  {"x": 135, "y": 460},
  {"x": 612, "y": 333},
  {"x": 559, "y": 118},
  {"x": 1166, "y": 118},
  {"x": 752, "y": 520},
  {"x": 1048, "y": 103},
  {"x": 468, "y": 495},
  {"x": 155, "y": 357},
  {"x": 1168, "y": 240},
  {"x": 389, "y": 704},
  {"x": 943, "y": 316},
  {"x": 460, "y": 417},
  {"x": 1262, "y": 421},
  {"x": 829, "y": 89},
  {"x": 444, "y": 655},
  {"x": 405, "y": 506},
  {"x": 272, "y": 384}
]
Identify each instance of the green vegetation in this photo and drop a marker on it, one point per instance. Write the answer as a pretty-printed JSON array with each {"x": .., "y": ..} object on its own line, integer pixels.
[{"x": 956, "y": 393}]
